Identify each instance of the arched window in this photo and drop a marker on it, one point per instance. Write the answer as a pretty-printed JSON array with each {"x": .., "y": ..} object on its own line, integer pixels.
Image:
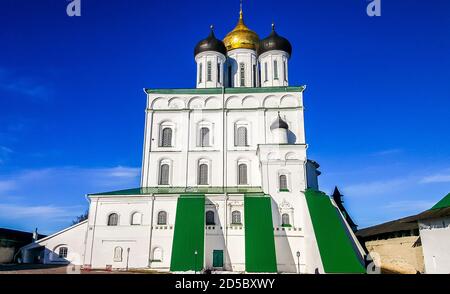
[
  {"x": 242, "y": 174},
  {"x": 204, "y": 137},
  {"x": 285, "y": 70},
  {"x": 157, "y": 254},
  {"x": 242, "y": 74},
  {"x": 266, "y": 72},
  {"x": 209, "y": 71},
  {"x": 283, "y": 183},
  {"x": 241, "y": 137},
  {"x": 136, "y": 219},
  {"x": 113, "y": 219},
  {"x": 218, "y": 72},
  {"x": 166, "y": 137},
  {"x": 203, "y": 174},
  {"x": 285, "y": 219},
  {"x": 210, "y": 218},
  {"x": 236, "y": 218},
  {"x": 118, "y": 254},
  {"x": 162, "y": 218},
  {"x": 275, "y": 70},
  {"x": 62, "y": 252},
  {"x": 164, "y": 174}
]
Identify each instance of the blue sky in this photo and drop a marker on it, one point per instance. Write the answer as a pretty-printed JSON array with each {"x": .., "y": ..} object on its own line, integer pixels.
[{"x": 72, "y": 105}]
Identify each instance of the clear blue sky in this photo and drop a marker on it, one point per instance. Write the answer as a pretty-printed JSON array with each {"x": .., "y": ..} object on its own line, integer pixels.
[{"x": 72, "y": 105}]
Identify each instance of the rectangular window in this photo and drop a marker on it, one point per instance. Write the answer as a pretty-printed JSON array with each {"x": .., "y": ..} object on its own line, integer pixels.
[
  {"x": 209, "y": 69},
  {"x": 218, "y": 72},
  {"x": 230, "y": 76},
  {"x": 285, "y": 70},
  {"x": 200, "y": 69},
  {"x": 275, "y": 70},
  {"x": 266, "y": 72},
  {"x": 242, "y": 74},
  {"x": 254, "y": 76}
]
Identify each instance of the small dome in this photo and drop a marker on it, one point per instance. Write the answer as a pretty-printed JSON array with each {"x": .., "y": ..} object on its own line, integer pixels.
[
  {"x": 210, "y": 44},
  {"x": 241, "y": 37},
  {"x": 274, "y": 42},
  {"x": 279, "y": 123}
]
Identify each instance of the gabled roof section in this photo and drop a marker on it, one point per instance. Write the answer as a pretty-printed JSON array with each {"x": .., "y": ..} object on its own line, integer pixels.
[
  {"x": 209, "y": 91},
  {"x": 179, "y": 190},
  {"x": 337, "y": 250},
  {"x": 443, "y": 203}
]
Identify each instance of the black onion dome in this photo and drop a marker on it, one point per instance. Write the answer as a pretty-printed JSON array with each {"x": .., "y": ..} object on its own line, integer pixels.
[
  {"x": 210, "y": 44},
  {"x": 279, "y": 123},
  {"x": 274, "y": 42}
]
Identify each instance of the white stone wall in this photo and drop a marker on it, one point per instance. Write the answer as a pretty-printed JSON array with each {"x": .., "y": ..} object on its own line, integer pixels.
[
  {"x": 268, "y": 77},
  {"x": 187, "y": 113},
  {"x": 217, "y": 63},
  {"x": 249, "y": 59},
  {"x": 73, "y": 238},
  {"x": 435, "y": 237},
  {"x": 103, "y": 239}
]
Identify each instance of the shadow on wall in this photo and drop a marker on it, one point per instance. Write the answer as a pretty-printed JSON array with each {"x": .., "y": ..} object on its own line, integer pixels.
[
  {"x": 285, "y": 260},
  {"x": 215, "y": 230},
  {"x": 292, "y": 138},
  {"x": 42, "y": 255}
]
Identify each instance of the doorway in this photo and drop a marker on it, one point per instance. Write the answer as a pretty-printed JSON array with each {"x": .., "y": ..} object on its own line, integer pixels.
[{"x": 217, "y": 258}]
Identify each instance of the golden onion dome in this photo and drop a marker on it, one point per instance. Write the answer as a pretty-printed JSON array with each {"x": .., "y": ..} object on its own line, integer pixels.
[{"x": 241, "y": 36}]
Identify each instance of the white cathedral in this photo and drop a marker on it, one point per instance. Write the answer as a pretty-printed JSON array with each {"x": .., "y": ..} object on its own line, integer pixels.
[{"x": 226, "y": 184}]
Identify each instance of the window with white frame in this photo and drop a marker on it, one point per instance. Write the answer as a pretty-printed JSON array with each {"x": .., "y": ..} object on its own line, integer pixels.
[
  {"x": 266, "y": 72},
  {"x": 203, "y": 174},
  {"x": 162, "y": 218},
  {"x": 285, "y": 220},
  {"x": 210, "y": 220},
  {"x": 164, "y": 174},
  {"x": 285, "y": 70},
  {"x": 204, "y": 137},
  {"x": 166, "y": 137},
  {"x": 242, "y": 174},
  {"x": 283, "y": 182},
  {"x": 136, "y": 219},
  {"x": 209, "y": 71},
  {"x": 157, "y": 254},
  {"x": 236, "y": 217},
  {"x": 62, "y": 252},
  {"x": 118, "y": 254},
  {"x": 113, "y": 219},
  {"x": 241, "y": 136},
  {"x": 254, "y": 75},
  {"x": 275, "y": 69},
  {"x": 218, "y": 72},
  {"x": 200, "y": 72},
  {"x": 242, "y": 74}
]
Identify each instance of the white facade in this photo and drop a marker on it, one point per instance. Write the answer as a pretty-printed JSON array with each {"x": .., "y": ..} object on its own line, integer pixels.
[
  {"x": 435, "y": 237},
  {"x": 211, "y": 137},
  {"x": 274, "y": 69}
]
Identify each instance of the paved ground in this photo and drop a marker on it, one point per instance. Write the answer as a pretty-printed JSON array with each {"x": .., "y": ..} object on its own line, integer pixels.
[{"x": 54, "y": 269}]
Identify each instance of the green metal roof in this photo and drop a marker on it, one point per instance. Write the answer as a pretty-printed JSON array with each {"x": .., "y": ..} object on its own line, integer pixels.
[
  {"x": 337, "y": 251},
  {"x": 180, "y": 190},
  {"x": 443, "y": 203},
  {"x": 208, "y": 91}
]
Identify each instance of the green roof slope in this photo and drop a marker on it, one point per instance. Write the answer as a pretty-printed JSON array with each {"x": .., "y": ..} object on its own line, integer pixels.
[
  {"x": 189, "y": 234},
  {"x": 260, "y": 254},
  {"x": 335, "y": 246},
  {"x": 443, "y": 203}
]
